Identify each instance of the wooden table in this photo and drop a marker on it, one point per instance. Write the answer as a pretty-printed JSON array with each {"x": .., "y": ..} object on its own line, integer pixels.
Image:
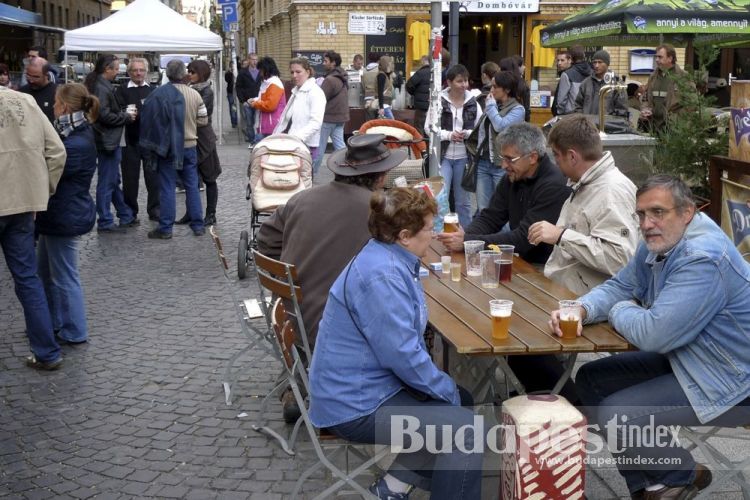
[{"x": 459, "y": 312}]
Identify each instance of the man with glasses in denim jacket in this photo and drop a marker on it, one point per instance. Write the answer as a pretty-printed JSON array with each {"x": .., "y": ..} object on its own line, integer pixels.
[
  {"x": 684, "y": 301},
  {"x": 533, "y": 190}
]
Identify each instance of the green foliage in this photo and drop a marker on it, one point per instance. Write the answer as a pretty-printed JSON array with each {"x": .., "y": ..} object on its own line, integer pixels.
[{"x": 692, "y": 136}]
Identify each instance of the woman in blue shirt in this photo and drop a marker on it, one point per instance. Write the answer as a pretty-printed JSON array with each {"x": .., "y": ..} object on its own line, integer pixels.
[{"x": 372, "y": 379}]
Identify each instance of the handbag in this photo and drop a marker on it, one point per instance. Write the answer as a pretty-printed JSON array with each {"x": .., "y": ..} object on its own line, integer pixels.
[
  {"x": 469, "y": 178},
  {"x": 372, "y": 105}
]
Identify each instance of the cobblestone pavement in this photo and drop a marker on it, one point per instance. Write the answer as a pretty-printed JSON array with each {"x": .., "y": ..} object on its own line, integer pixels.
[{"x": 139, "y": 411}]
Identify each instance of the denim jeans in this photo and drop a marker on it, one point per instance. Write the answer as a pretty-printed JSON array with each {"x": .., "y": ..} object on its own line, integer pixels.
[
  {"x": 232, "y": 110},
  {"x": 452, "y": 171},
  {"x": 57, "y": 257},
  {"x": 248, "y": 114},
  {"x": 641, "y": 386},
  {"x": 108, "y": 190},
  {"x": 336, "y": 132},
  {"x": 451, "y": 475},
  {"x": 17, "y": 241},
  {"x": 167, "y": 179},
  {"x": 488, "y": 175}
]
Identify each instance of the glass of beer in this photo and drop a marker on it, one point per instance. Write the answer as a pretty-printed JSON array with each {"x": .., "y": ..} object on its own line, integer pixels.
[
  {"x": 445, "y": 261},
  {"x": 570, "y": 316},
  {"x": 471, "y": 250},
  {"x": 500, "y": 310},
  {"x": 455, "y": 271},
  {"x": 450, "y": 223},
  {"x": 487, "y": 260},
  {"x": 505, "y": 263}
]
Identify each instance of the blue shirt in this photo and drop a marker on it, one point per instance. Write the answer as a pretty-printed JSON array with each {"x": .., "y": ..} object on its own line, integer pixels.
[
  {"x": 353, "y": 370},
  {"x": 693, "y": 307}
]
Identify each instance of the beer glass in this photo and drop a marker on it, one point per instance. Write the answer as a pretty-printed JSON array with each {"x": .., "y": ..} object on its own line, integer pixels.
[
  {"x": 455, "y": 271},
  {"x": 450, "y": 223},
  {"x": 445, "y": 262},
  {"x": 505, "y": 263},
  {"x": 500, "y": 310},
  {"x": 473, "y": 264},
  {"x": 570, "y": 316},
  {"x": 488, "y": 261}
]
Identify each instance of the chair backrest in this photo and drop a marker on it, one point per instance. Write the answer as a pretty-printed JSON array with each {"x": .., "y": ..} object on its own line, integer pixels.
[
  {"x": 284, "y": 330},
  {"x": 275, "y": 276},
  {"x": 219, "y": 249},
  {"x": 280, "y": 279}
]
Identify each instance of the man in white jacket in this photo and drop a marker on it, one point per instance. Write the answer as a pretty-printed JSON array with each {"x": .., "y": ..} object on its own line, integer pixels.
[{"x": 597, "y": 232}]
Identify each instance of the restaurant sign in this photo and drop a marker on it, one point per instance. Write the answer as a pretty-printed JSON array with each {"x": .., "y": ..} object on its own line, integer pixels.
[
  {"x": 365, "y": 23},
  {"x": 488, "y": 6}
]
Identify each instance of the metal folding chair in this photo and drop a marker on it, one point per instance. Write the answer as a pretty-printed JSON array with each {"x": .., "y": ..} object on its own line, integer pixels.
[
  {"x": 723, "y": 467},
  {"x": 327, "y": 447},
  {"x": 259, "y": 339},
  {"x": 280, "y": 280}
]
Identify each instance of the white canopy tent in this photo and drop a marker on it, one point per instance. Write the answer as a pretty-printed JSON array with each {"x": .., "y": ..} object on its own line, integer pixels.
[{"x": 149, "y": 26}]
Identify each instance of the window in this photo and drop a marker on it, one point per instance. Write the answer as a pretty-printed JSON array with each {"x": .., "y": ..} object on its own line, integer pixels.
[{"x": 44, "y": 12}]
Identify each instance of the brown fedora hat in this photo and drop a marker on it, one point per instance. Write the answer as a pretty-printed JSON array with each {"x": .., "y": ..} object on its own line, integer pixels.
[{"x": 365, "y": 154}]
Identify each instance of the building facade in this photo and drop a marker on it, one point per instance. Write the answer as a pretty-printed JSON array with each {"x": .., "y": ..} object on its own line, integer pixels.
[{"x": 43, "y": 22}]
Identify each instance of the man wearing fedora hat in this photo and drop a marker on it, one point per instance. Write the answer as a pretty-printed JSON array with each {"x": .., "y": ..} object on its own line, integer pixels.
[{"x": 319, "y": 230}]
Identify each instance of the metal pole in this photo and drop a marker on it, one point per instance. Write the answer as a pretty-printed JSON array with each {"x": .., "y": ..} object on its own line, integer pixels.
[
  {"x": 436, "y": 44},
  {"x": 453, "y": 30}
]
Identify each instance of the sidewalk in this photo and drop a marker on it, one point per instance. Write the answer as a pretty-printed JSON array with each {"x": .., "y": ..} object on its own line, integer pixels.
[{"x": 139, "y": 411}]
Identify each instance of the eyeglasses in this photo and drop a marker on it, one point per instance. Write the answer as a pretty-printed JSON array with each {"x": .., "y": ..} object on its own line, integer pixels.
[
  {"x": 653, "y": 214},
  {"x": 510, "y": 160}
]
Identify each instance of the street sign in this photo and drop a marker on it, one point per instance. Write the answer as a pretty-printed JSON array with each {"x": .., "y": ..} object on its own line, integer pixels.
[
  {"x": 222, "y": 2},
  {"x": 229, "y": 13}
]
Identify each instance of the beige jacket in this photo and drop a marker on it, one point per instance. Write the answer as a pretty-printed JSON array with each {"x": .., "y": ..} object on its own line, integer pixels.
[
  {"x": 601, "y": 229},
  {"x": 32, "y": 156},
  {"x": 196, "y": 114}
]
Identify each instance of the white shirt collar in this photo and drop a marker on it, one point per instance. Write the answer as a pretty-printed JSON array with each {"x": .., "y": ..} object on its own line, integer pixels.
[{"x": 131, "y": 84}]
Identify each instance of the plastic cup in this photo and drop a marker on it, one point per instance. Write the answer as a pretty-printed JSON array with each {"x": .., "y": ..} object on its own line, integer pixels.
[
  {"x": 505, "y": 263},
  {"x": 473, "y": 263},
  {"x": 570, "y": 316},
  {"x": 487, "y": 260},
  {"x": 500, "y": 311},
  {"x": 450, "y": 222},
  {"x": 455, "y": 271},
  {"x": 445, "y": 261}
]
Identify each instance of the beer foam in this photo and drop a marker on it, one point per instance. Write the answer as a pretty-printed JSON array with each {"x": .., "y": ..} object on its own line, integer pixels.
[
  {"x": 501, "y": 314},
  {"x": 571, "y": 316}
]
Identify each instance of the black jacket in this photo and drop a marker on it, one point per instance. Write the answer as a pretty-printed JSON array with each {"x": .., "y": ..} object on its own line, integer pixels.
[
  {"x": 229, "y": 79},
  {"x": 247, "y": 87},
  {"x": 112, "y": 116},
  {"x": 44, "y": 97},
  {"x": 419, "y": 86},
  {"x": 521, "y": 204},
  {"x": 71, "y": 210},
  {"x": 133, "y": 95}
]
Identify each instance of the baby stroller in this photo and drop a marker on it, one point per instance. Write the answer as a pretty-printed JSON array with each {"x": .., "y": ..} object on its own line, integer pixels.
[
  {"x": 280, "y": 166},
  {"x": 401, "y": 135}
]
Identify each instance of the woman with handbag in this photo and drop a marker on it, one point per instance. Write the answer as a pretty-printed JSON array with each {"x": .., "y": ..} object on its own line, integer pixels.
[
  {"x": 271, "y": 99},
  {"x": 371, "y": 364},
  {"x": 460, "y": 114},
  {"x": 385, "y": 87},
  {"x": 303, "y": 114},
  {"x": 501, "y": 110}
]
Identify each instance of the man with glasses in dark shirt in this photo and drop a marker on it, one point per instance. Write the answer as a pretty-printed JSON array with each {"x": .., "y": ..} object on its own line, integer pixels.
[{"x": 533, "y": 190}]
